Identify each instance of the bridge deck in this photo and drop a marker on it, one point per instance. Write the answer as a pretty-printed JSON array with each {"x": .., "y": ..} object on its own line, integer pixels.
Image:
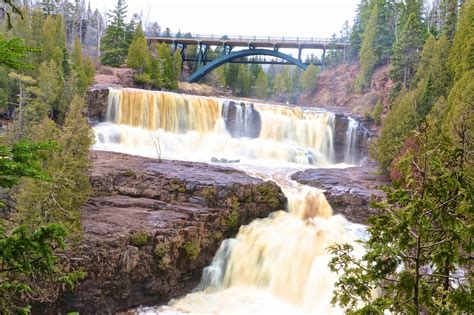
[{"x": 253, "y": 41}]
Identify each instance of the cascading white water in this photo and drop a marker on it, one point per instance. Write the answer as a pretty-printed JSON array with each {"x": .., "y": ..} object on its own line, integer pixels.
[
  {"x": 193, "y": 128},
  {"x": 350, "y": 154},
  {"x": 276, "y": 265}
]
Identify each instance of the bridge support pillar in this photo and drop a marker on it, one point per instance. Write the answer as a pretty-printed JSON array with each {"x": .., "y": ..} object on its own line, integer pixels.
[
  {"x": 299, "y": 52},
  {"x": 202, "y": 55}
]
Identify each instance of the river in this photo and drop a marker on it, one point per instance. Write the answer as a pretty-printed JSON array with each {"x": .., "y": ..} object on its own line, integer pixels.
[{"x": 276, "y": 265}]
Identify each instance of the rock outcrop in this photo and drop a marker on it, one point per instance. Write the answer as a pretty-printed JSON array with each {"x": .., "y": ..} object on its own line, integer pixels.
[
  {"x": 241, "y": 119},
  {"x": 335, "y": 90},
  {"x": 97, "y": 100},
  {"x": 348, "y": 191},
  {"x": 153, "y": 226},
  {"x": 361, "y": 145}
]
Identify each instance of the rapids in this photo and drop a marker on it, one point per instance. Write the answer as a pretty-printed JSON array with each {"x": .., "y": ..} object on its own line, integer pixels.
[{"x": 276, "y": 265}]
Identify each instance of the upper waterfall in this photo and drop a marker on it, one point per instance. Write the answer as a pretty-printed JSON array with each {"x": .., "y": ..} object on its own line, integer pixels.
[{"x": 205, "y": 127}]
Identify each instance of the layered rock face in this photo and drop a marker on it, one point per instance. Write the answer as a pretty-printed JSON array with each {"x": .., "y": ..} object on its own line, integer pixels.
[
  {"x": 241, "y": 119},
  {"x": 361, "y": 139},
  {"x": 153, "y": 226},
  {"x": 97, "y": 104},
  {"x": 349, "y": 190}
]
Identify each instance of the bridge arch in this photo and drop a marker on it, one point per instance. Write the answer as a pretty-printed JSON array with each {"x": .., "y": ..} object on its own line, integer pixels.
[{"x": 241, "y": 54}]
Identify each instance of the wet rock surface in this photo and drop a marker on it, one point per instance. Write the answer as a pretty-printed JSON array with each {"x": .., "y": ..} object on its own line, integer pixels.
[
  {"x": 361, "y": 145},
  {"x": 97, "y": 99},
  {"x": 153, "y": 226},
  {"x": 349, "y": 190},
  {"x": 241, "y": 119}
]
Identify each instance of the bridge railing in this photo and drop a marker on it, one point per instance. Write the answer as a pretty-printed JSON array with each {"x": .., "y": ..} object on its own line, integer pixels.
[{"x": 285, "y": 39}]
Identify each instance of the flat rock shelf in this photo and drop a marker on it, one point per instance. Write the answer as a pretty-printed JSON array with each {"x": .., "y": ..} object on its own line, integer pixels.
[{"x": 152, "y": 226}]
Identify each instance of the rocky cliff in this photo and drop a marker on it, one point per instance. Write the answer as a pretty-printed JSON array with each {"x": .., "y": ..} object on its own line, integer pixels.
[
  {"x": 152, "y": 226},
  {"x": 335, "y": 90}
]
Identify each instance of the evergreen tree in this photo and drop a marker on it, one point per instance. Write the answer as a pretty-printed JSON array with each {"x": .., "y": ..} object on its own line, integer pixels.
[
  {"x": 156, "y": 78},
  {"x": 309, "y": 78},
  {"x": 53, "y": 39},
  {"x": 114, "y": 46},
  {"x": 59, "y": 199},
  {"x": 449, "y": 13},
  {"x": 83, "y": 67},
  {"x": 138, "y": 56},
  {"x": 262, "y": 86},
  {"x": 406, "y": 52},
  {"x": 377, "y": 40},
  {"x": 176, "y": 71},
  {"x": 418, "y": 243},
  {"x": 51, "y": 89},
  {"x": 243, "y": 81},
  {"x": 231, "y": 72},
  {"x": 367, "y": 58}
]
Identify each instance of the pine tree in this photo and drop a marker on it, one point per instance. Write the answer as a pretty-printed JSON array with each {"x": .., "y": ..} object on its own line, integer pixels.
[
  {"x": 138, "y": 56},
  {"x": 243, "y": 81},
  {"x": 377, "y": 40},
  {"x": 176, "y": 72},
  {"x": 367, "y": 57},
  {"x": 166, "y": 61},
  {"x": 114, "y": 46},
  {"x": 449, "y": 13},
  {"x": 419, "y": 242},
  {"x": 262, "y": 86},
  {"x": 406, "y": 52},
  {"x": 156, "y": 78},
  {"x": 84, "y": 68},
  {"x": 51, "y": 89},
  {"x": 59, "y": 199},
  {"x": 53, "y": 39},
  {"x": 309, "y": 78}
]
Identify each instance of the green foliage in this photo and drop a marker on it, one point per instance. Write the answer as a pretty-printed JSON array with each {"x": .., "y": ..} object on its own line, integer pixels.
[
  {"x": 461, "y": 58},
  {"x": 51, "y": 87},
  {"x": 28, "y": 263},
  {"x": 406, "y": 51},
  {"x": 262, "y": 86},
  {"x": 114, "y": 44},
  {"x": 138, "y": 55},
  {"x": 309, "y": 78},
  {"x": 19, "y": 160},
  {"x": 192, "y": 248},
  {"x": 60, "y": 198},
  {"x": 398, "y": 123},
  {"x": 243, "y": 81},
  {"x": 377, "y": 37},
  {"x": 53, "y": 39},
  {"x": 232, "y": 220},
  {"x": 139, "y": 238},
  {"x": 13, "y": 53},
  {"x": 368, "y": 58},
  {"x": 418, "y": 243},
  {"x": 377, "y": 112},
  {"x": 84, "y": 68}
]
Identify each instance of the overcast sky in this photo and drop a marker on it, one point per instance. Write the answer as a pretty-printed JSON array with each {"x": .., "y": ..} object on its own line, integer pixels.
[{"x": 303, "y": 18}]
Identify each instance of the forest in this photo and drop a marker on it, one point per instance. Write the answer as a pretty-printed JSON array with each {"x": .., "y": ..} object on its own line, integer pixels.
[{"x": 49, "y": 53}]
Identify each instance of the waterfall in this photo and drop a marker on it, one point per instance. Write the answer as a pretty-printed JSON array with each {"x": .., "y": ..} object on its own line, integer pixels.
[
  {"x": 350, "y": 154},
  {"x": 197, "y": 128},
  {"x": 275, "y": 265}
]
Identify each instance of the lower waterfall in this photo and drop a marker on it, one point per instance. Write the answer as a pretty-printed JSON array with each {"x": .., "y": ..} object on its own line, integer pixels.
[{"x": 276, "y": 265}]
